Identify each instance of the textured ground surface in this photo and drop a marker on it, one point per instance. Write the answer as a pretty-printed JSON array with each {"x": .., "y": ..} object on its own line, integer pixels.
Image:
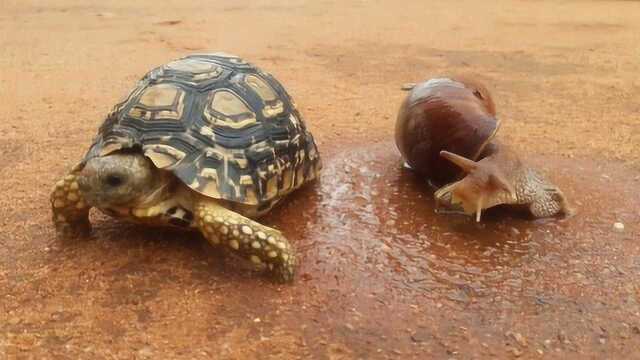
[{"x": 381, "y": 276}]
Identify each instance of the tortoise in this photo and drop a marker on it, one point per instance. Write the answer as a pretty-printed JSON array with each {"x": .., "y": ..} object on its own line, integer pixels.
[{"x": 208, "y": 142}]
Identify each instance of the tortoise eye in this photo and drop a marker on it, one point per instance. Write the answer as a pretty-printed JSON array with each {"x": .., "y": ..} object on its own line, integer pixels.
[
  {"x": 478, "y": 94},
  {"x": 113, "y": 180}
]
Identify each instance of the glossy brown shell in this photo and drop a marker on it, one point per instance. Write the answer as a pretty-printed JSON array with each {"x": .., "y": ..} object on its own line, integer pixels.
[{"x": 453, "y": 114}]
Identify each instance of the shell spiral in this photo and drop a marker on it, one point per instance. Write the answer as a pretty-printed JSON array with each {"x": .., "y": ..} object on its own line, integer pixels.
[
  {"x": 225, "y": 128},
  {"x": 456, "y": 115}
]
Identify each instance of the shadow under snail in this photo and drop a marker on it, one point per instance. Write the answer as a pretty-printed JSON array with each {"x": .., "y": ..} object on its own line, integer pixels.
[{"x": 445, "y": 132}]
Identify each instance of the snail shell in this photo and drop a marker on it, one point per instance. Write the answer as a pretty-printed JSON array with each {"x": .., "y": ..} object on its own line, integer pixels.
[{"x": 451, "y": 114}]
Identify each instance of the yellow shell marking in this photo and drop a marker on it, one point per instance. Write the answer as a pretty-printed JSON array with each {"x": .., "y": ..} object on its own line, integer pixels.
[
  {"x": 163, "y": 156},
  {"x": 163, "y": 101},
  {"x": 159, "y": 95},
  {"x": 261, "y": 88},
  {"x": 235, "y": 112}
]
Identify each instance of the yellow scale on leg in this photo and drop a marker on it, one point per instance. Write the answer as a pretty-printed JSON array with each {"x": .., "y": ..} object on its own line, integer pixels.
[
  {"x": 258, "y": 243},
  {"x": 70, "y": 210}
]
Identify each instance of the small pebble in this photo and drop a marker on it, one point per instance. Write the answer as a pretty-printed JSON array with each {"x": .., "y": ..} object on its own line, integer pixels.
[
  {"x": 517, "y": 337},
  {"x": 619, "y": 227},
  {"x": 145, "y": 352},
  {"x": 516, "y": 352},
  {"x": 562, "y": 337}
]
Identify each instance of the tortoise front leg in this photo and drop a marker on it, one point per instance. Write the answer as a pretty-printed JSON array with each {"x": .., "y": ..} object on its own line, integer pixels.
[
  {"x": 256, "y": 242},
  {"x": 70, "y": 210}
]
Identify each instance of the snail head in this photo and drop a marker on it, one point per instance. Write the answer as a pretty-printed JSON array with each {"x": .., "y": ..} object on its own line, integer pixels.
[{"x": 484, "y": 186}]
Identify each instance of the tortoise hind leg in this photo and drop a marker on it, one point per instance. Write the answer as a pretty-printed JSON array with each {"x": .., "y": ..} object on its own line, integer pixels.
[
  {"x": 256, "y": 242},
  {"x": 70, "y": 210}
]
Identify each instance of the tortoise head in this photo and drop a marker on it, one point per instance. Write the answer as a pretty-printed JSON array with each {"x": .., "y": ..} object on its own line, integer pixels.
[
  {"x": 484, "y": 186},
  {"x": 119, "y": 180}
]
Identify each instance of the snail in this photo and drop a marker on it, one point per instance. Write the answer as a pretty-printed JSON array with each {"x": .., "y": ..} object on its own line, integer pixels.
[{"x": 445, "y": 132}]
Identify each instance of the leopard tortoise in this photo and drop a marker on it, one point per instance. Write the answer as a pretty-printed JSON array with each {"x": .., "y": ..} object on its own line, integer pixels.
[{"x": 208, "y": 142}]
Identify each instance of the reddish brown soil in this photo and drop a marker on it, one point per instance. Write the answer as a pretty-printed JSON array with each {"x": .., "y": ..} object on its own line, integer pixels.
[{"x": 381, "y": 276}]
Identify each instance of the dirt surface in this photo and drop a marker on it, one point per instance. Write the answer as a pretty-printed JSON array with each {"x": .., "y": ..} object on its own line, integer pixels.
[{"x": 380, "y": 275}]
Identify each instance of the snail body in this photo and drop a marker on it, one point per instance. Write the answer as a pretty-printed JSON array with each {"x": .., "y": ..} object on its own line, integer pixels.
[{"x": 445, "y": 132}]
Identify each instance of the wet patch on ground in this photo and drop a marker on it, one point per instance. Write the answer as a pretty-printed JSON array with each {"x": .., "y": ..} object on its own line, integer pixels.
[
  {"x": 378, "y": 213},
  {"x": 387, "y": 264}
]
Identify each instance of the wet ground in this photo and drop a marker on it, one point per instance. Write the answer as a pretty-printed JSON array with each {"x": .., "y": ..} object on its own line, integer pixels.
[{"x": 380, "y": 275}]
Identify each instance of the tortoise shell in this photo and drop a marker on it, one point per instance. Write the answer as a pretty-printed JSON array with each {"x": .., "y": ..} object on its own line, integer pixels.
[
  {"x": 222, "y": 126},
  {"x": 453, "y": 114}
]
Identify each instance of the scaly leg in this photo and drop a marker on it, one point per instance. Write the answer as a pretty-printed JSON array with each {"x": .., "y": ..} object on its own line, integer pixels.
[
  {"x": 70, "y": 210},
  {"x": 256, "y": 242}
]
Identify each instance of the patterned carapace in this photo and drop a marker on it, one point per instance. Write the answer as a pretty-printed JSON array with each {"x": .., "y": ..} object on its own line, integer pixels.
[{"x": 224, "y": 127}]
